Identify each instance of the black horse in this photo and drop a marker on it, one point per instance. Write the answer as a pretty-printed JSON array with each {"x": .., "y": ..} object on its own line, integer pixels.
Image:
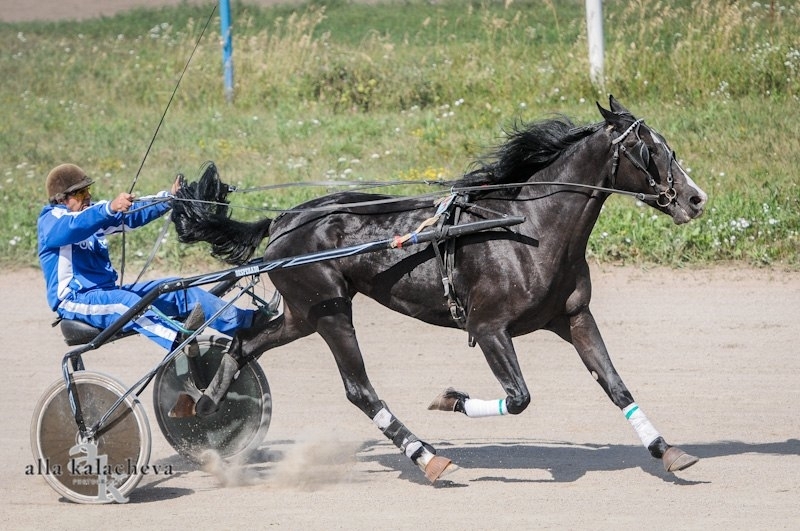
[{"x": 496, "y": 284}]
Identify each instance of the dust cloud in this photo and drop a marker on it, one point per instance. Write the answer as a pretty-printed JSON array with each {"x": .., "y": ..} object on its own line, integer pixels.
[{"x": 307, "y": 464}]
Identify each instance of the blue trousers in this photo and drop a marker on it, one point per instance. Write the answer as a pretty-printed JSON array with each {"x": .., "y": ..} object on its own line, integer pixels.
[{"x": 102, "y": 307}]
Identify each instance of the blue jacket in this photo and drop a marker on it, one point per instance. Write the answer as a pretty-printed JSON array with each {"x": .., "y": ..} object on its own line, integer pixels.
[{"x": 73, "y": 250}]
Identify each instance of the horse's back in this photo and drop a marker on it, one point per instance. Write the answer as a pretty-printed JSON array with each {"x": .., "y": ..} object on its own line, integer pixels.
[{"x": 344, "y": 218}]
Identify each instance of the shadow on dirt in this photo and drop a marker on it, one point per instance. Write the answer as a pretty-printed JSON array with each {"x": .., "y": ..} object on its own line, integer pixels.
[
  {"x": 550, "y": 461},
  {"x": 566, "y": 462}
]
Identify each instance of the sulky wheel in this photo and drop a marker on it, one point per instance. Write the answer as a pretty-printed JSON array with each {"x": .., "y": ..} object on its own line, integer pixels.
[
  {"x": 105, "y": 468},
  {"x": 239, "y": 425}
]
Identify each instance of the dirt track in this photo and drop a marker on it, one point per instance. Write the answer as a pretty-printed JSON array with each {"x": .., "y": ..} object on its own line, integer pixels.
[{"x": 710, "y": 356}]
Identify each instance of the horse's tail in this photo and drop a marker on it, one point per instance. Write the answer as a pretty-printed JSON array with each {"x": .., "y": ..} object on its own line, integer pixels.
[{"x": 200, "y": 214}]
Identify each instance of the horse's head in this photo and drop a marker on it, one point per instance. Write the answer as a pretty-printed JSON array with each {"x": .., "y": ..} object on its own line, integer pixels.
[{"x": 644, "y": 163}]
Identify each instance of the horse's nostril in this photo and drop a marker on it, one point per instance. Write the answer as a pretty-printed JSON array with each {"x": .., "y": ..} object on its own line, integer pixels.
[{"x": 697, "y": 200}]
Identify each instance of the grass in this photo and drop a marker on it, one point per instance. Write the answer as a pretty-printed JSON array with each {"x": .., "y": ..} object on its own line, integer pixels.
[{"x": 409, "y": 90}]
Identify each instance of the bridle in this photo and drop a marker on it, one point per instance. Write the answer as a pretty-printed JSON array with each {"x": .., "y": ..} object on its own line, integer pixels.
[{"x": 639, "y": 156}]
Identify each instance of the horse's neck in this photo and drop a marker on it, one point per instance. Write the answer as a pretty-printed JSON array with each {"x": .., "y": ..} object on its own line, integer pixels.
[{"x": 571, "y": 211}]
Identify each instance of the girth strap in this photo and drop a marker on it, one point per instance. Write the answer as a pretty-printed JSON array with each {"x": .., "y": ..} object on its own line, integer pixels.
[
  {"x": 450, "y": 216},
  {"x": 447, "y": 215},
  {"x": 445, "y": 273}
]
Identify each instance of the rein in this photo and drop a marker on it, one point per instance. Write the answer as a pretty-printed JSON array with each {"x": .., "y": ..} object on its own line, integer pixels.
[
  {"x": 640, "y": 160},
  {"x": 333, "y": 184},
  {"x": 432, "y": 195},
  {"x": 638, "y": 195}
]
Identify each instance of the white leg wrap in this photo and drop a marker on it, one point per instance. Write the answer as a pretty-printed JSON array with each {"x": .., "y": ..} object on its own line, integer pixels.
[
  {"x": 644, "y": 429},
  {"x": 382, "y": 419},
  {"x": 474, "y": 407}
]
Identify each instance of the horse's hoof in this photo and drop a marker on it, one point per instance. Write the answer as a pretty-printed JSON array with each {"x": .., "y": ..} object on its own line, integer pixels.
[
  {"x": 184, "y": 407},
  {"x": 438, "y": 467},
  {"x": 676, "y": 459},
  {"x": 205, "y": 406},
  {"x": 447, "y": 400},
  {"x": 195, "y": 319}
]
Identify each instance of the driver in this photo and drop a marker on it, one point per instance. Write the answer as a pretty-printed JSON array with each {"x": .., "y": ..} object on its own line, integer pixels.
[{"x": 82, "y": 283}]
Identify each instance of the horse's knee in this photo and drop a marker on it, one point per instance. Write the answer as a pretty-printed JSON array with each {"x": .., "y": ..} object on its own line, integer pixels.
[
  {"x": 357, "y": 399},
  {"x": 517, "y": 404},
  {"x": 361, "y": 399}
]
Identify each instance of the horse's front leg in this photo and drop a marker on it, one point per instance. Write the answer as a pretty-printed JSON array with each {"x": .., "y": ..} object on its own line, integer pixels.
[
  {"x": 499, "y": 352},
  {"x": 334, "y": 322},
  {"x": 585, "y": 336}
]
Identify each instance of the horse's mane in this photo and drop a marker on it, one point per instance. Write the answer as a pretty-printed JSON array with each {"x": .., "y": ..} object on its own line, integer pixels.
[{"x": 529, "y": 148}]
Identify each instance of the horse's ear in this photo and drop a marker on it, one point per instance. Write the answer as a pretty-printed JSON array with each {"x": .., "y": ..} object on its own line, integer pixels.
[
  {"x": 617, "y": 106},
  {"x": 618, "y": 117},
  {"x": 610, "y": 117}
]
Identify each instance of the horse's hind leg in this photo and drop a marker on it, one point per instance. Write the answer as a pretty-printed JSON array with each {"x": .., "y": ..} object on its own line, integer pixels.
[
  {"x": 334, "y": 322},
  {"x": 247, "y": 344},
  {"x": 583, "y": 333}
]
